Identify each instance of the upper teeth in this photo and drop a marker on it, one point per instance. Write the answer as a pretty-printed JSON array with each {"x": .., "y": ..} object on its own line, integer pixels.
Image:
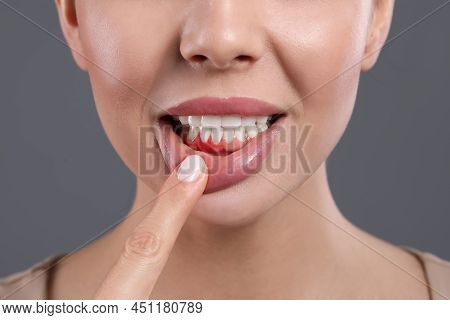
[{"x": 226, "y": 127}]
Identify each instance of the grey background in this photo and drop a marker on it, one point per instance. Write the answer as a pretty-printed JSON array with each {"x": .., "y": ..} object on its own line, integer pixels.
[{"x": 61, "y": 182}]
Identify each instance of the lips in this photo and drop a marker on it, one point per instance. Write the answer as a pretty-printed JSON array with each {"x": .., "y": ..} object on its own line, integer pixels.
[
  {"x": 229, "y": 160},
  {"x": 222, "y": 106}
]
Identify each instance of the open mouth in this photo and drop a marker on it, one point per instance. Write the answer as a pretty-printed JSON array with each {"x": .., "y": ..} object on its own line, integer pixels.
[
  {"x": 232, "y": 135},
  {"x": 219, "y": 135}
]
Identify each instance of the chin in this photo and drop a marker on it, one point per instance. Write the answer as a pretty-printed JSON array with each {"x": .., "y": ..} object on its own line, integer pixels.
[
  {"x": 233, "y": 207},
  {"x": 252, "y": 199}
]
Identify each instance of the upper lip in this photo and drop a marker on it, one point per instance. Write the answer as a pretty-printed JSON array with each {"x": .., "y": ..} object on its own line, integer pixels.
[{"x": 224, "y": 106}]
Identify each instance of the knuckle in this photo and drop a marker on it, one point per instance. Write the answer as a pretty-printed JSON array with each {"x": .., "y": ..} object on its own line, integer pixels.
[{"x": 143, "y": 247}]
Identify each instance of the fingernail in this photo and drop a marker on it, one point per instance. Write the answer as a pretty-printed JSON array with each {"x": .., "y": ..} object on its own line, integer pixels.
[{"x": 191, "y": 168}]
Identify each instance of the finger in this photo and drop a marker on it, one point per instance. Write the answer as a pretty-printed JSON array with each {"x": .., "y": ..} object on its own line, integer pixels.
[{"x": 148, "y": 247}]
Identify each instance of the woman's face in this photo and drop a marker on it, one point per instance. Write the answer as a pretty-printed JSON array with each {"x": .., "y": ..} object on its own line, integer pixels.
[{"x": 296, "y": 62}]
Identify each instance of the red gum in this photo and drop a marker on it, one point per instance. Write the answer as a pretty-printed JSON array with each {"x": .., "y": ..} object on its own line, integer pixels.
[{"x": 221, "y": 148}]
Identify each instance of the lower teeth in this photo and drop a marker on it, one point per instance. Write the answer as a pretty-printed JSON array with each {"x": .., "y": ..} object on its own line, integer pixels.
[{"x": 216, "y": 135}]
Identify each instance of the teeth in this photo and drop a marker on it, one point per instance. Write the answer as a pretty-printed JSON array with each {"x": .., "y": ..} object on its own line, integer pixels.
[
  {"x": 248, "y": 121},
  {"x": 228, "y": 135},
  {"x": 193, "y": 133},
  {"x": 216, "y": 134},
  {"x": 224, "y": 127},
  {"x": 195, "y": 121},
  {"x": 239, "y": 133},
  {"x": 184, "y": 120},
  {"x": 231, "y": 121},
  {"x": 262, "y": 120},
  {"x": 211, "y": 121},
  {"x": 262, "y": 127},
  {"x": 205, "y": 133},
  {"x": 252, "y": 131}
]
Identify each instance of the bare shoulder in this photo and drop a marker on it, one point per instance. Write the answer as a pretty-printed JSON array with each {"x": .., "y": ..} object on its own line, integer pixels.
[
  {"x": 437, "y": 271},
  {"x": 31, "y": 283}
]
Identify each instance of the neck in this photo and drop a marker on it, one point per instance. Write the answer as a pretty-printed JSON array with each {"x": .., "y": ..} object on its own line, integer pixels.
[
  {"x": 302, "y": 248},
  {"x": 290, "y": 251},
  {"x": 286, "y": 244}
]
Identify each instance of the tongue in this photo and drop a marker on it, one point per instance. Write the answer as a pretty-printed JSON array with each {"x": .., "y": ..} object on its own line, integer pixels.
[{"x": 222, "y": 148}]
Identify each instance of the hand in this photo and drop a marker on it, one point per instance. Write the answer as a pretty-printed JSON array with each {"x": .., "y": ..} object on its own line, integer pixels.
[{"x": 147, "y": 249}]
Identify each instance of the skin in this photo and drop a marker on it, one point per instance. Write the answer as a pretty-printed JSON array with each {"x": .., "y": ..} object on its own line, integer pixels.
[{"x": 276, "y": 234}]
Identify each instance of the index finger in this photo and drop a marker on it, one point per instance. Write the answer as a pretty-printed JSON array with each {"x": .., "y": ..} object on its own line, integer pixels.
[{"x": 148, "y": 247}]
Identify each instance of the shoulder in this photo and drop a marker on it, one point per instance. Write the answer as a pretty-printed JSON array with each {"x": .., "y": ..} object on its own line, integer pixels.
[
  {"x": 437, "y": 271},
  {"x": 31, "y": 283}
]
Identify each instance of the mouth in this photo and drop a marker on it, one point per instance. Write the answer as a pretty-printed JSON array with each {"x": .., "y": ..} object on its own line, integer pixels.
[
  {"x": 219, "y": 135},
  {"x": 232, "y": 135}
]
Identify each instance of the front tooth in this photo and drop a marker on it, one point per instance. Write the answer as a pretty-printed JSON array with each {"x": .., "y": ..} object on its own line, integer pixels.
[
  {"x": 211, "y": 121},
  {"x": 195, "y": 121},
  {"x": 252, "y": 131},
  {"x": 216, "y": 134},
  {"x": 231, "y": 121},
  {"x": 193, "y": 133},
  {"x": 228, "y": 135},
  {"x": 205, "y": 133},
  {"x": 262, "y": 127},
  {"x": 184, "y": 120},
  {"x": 262, "y": 119},
  {"x": 248, "y": 121},
  {"x": 239, "y": 133}
]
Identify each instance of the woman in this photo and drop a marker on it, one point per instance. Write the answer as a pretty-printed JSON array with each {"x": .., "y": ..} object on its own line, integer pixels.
[{"x": 226, "y": 112}]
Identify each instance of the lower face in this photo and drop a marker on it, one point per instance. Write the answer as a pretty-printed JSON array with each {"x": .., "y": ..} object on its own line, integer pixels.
[{"x": 248, "y": 120}]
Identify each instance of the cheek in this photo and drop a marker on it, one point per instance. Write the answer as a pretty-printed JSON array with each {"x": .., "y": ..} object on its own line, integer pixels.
[
  {"x": 127, "y": 39},
  {"x": 321, "y": 52},
  {"x": 126, "y": 46}
]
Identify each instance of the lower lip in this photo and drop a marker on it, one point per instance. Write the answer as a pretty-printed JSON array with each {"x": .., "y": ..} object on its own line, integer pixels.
[{"x": 224, "y": 171}]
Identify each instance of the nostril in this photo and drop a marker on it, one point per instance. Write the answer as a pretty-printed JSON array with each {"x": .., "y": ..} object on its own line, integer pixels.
[
  {"x": 198, "y": 58},
  {"x": 243, "y": 58}
]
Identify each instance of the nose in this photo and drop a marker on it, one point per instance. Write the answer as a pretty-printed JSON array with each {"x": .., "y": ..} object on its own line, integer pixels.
[{"x": 221, "y": 34}]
